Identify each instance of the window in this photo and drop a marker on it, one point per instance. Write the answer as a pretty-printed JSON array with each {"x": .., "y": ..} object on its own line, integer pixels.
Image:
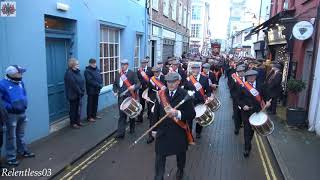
[
  {"x": 166, "y": 8},
  {"x": 195, "y": 30},
  {"x": 180, "y": 13},
  {"x": 174, "y": 10},
  {"x": 185, "y": 17},
  {"x": 109, "y": 53},
  {"x": 188, "y": 19},
  {"x": 137, "y": 52},
  {"x": 155, "y": 4},
  {"x": 196, "y": 12}
]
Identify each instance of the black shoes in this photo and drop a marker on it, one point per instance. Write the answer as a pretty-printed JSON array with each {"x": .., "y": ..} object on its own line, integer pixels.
[
  {"x": 246, "y": 153},
  {"x": 198, "y": 135},
  {"x": 150, "y": 140},
  {"x": 236, "y": 132},
  {"x": 28, "y": 155},
  {"x": 132, "y": 130},
  {"x": 13, "y": 162},
  {"x": 179, "y": 174}
]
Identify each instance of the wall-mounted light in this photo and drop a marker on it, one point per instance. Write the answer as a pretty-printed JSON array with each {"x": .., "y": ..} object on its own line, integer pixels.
[{"x": 62, "y": 6}]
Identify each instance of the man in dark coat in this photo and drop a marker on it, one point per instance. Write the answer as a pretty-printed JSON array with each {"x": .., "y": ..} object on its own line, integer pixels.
[
  {"x": 273, "y": 87},
  {"x": 163, "y": 69},
  {"x": 206, "y": 72},
  {"x": 74, "y": 89},
  {"x": 121, "y": 84},
  {"x": 249, "y": 105},
  {"x": 157, "y": 83},
  {"x": 144, "y": 74},
  {"x": 235, "y": 91},
  {"x": 171, "y": 138},
  {"x": 93, "y": 87},
  {"x": 175, "y": 67},
  {"x": 200, "y": 85}
]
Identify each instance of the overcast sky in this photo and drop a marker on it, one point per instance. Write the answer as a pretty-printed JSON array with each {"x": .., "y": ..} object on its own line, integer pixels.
[{"x": 220, "y": 13}]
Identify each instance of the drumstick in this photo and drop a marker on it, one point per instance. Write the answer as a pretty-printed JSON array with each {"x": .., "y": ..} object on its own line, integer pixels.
[
  {"x": 160, "y": 121},
  {"x": 265, "y": 107},
  {"x": 123, "y": 93}
]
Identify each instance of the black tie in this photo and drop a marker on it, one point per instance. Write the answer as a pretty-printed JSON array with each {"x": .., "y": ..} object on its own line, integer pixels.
[{"x": 171, "y": 94}]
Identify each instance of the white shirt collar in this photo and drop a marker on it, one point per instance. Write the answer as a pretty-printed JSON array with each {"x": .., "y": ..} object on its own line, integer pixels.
[
  {"x": 198, "y": 77},
  {"x": 174, "y": 92}
]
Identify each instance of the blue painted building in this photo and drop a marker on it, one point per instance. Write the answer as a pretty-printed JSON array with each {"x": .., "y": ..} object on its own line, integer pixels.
[{"x": 44, "y": 34}]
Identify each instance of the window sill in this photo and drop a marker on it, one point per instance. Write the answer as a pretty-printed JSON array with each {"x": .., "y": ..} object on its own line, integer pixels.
[{"x": 106, "y": 89}]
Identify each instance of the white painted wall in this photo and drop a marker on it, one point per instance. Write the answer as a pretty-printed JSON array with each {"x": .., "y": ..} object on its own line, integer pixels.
[{"x": 314, "y": 108}]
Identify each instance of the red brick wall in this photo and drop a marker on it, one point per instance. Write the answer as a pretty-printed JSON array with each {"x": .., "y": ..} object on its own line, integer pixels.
[{"x": 167, "y": 21}]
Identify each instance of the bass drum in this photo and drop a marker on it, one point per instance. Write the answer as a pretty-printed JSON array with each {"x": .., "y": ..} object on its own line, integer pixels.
[
  {"x": 261, "y": 123},
  {"x": 204, "y": 116}
]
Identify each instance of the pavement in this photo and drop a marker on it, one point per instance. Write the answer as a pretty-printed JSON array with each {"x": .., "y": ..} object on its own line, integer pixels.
[
  {"x": 296, "y": 150},
  {"x": 59, "y": 150},
  {"x": 217, "y": 155}
]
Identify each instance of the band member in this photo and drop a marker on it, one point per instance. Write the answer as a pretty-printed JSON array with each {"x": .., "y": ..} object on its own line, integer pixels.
[
  {"x": 163, "y": 69},
  {"x": 273, "y": 87},
  {"x": 173, "y": 134},
  {"x": 251, "y": 101},
  {"x": 231, "y": 70},
  {"x": 144, "y": 74},
  {"x": 175, "y": 67},
  {"x": 125, "y": 80},
  {"x": 235, "y": 91},
  {"x": 206, "y": 72},
  {"x": 200, "y": 84},
  {"x": 157, "y": 82}
]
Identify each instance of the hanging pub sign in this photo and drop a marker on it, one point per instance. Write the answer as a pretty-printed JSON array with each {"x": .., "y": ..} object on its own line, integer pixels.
[
  {"x": 276, "y": 35},
  {"x": 302, "y": 30}
]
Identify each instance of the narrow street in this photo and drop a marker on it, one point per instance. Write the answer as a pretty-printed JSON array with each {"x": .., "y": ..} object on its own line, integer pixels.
[{"x": 218, "y": 155}]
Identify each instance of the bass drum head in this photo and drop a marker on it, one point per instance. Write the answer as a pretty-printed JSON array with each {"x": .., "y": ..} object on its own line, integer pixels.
[
  {"x": 258, "y": 119},
  {"x": 200, "y": 110},
  {"x": 125, "y": 104}
]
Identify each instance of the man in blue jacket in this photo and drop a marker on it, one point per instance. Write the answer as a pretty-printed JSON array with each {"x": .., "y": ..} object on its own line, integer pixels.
[{"x": 14, "y": 97}]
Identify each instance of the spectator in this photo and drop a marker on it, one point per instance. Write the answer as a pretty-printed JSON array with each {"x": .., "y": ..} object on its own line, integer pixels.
[
  {"x": 93, "y": 87},
  {"x": 74, "y": 88},
  {"x": 14, "y": 97}
]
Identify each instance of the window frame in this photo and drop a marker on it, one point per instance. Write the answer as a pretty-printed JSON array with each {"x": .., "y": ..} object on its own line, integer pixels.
[
  {"x": 137, "y": 56},
  {"x": 174, "y": 10},
  {"x": 180, "y": 13},
  {"x": 155, "y": 5},
  {"x": 166, "y": 8},
  {"x": 105, "y": 56}
]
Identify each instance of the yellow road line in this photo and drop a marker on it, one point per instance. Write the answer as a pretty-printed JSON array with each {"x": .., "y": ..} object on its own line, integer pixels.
[
  {"x": 75, "y": 168},
  {"x": 268, "y": 159},
  {"x": 95, "y": 158},
  {"x": 262, "y": 159}
]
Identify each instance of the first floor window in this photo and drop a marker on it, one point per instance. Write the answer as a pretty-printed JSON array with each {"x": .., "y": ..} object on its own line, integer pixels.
[
  {"x": 137, "y": 53},
  {"x": 109, "y": 53}
]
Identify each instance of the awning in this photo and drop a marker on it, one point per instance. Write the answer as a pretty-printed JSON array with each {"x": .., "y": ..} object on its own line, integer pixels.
[{"x": 273, "y": 20}]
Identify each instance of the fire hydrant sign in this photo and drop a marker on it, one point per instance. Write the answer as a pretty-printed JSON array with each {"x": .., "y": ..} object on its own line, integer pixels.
[
  {"x": 302, "y": 30},
  {"x": 8, "y": 9}
]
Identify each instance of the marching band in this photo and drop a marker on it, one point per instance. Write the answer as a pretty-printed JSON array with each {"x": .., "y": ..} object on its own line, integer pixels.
[{"x": 177, "y": 95}]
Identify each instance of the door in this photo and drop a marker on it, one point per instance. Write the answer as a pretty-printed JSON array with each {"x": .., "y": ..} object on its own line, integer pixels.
[{"x": 56, "y": 57}]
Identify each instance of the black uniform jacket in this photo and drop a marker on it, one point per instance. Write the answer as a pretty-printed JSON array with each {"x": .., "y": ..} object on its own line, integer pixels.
[
  {"x": 152, "y": 88},
  {"x": 144, "y": 83},
  {"x": 246, "y": 98},
  {"x": 198, "y": 99},
  {"x": 171, "y": 138}
]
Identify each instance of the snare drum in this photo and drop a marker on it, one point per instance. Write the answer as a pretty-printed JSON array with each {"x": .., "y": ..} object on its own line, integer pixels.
[
  {"x": 131, "y": 107},
  {"x": 261, "y": 123},
  {"x": 204, "y": 116},
  {"x": 214, "y": 105}
]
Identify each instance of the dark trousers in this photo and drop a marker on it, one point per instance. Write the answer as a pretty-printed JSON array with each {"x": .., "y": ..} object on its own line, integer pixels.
[
  {"x": 92, "y": 106},
  {"x": 122, "y": 122},
  {"x": 150, "y": 115},
  {"x": 74, "y": 111},
  {"x": 248, "y": 131},
  {"x": 1, "y": 136},
  {"x": 273, "y": 107},
  {"x": 198, "y": 128},
  {"x": 143, "y": 103},
  {"x": 236, "y": 117},
  {"x": 161, "y": 164}
]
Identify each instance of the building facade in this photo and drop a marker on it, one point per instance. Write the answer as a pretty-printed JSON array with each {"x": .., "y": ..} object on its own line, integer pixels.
[
  {"x": 169, "y": 29},
  {"x": 200, "y": 23},
  {"x": 44, "y": 35}
]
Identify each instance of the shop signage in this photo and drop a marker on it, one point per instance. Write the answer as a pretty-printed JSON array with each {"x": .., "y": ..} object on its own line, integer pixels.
[
  {"x": 302, "y": 30},
  {"x": 8, "y": 9}
]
